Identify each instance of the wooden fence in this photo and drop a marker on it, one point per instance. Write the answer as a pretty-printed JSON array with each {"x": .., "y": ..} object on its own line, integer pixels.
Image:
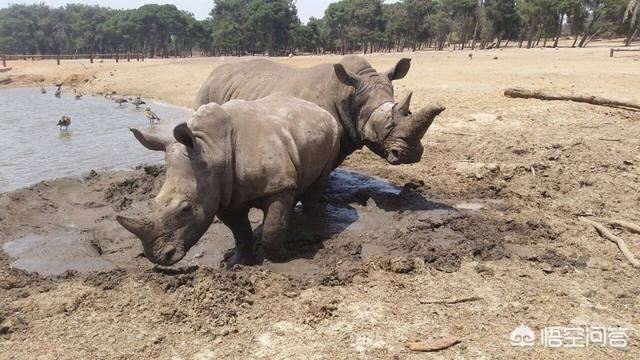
[
  {"x": 91, "y": 57},
  {"x": 612, "y": 50}
]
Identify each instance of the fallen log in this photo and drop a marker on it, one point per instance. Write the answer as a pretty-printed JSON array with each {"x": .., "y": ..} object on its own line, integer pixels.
[{"x": 590, "y": 99}]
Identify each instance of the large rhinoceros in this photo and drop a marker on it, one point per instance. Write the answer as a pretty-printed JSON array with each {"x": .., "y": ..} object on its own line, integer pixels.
[
  {"x": 227, "y": 159},
  {"x": 358, "y": 96}
]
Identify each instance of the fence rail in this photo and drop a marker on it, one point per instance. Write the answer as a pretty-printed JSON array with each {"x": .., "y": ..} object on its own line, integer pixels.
[
  {"x": 612, "y": 50},
  {"x": 91, "y": 57}
]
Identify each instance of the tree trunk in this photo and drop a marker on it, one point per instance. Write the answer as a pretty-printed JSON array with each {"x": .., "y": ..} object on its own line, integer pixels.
[
  {"x": 629, "y": 39},
  {"x": 558, "y": 31},
  {"x": 475, "y": 33},
  {"x": 575, "y": 39}
]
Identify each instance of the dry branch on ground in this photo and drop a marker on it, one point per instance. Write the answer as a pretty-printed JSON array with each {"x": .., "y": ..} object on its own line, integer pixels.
[
  {"x": 589, "y": 99},
  {"x": 604, "y": 232}
]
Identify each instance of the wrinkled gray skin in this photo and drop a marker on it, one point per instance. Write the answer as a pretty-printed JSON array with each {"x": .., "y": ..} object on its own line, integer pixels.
[
  {"x": 229, "y": 158},
  {"x": 358, "y": 96}
]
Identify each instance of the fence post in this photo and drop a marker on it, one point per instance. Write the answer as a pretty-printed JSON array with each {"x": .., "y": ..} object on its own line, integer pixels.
[
  {"x": 91, "y": 58},
  {"x": 137, "y": 57},
  {"x": 142, "y": 57},
  {"x": 58, "y": 59},
  {"x": 128, "y": 57},
  {"x": 611, "y": 53},
  {"x": 117, "y": 57},
  {"x": 4, "y": 60}
]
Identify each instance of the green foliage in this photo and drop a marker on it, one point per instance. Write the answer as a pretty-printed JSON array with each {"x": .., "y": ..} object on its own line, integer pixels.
[
  {"x": 75, "y": 28},
  {"x": 272, "y": 27}
]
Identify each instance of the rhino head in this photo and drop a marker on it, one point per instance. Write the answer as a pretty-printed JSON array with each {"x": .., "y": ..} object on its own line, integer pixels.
[
  {"x": 185, "y": 207},
  {"x": 387, "y": 128},
  {"x": 395, "y": 133}
]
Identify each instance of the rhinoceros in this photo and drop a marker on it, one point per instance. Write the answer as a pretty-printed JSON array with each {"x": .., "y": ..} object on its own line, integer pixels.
[
  {"x": 358, "y": 96},
  {"x": 227, "y": 159}
]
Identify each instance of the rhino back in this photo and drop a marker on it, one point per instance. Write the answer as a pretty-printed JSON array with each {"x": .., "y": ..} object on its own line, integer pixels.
[
  {"x": 255, "y": 79},
  {"x": 280, "y": 143}
]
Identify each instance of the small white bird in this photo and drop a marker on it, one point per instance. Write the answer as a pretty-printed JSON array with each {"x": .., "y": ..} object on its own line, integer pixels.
[
  {"x": 64, "y": 122},
  {"x": 42, "y": 90},
  {"x": 153, "y": 118}
]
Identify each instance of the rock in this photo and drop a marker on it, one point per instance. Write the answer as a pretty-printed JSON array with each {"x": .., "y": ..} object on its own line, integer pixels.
[
  {"x": 198, "y": 255},
  {"x": 493, "y": 167},
  {"x": 6, "y": 80},
  {"x": 483, "y": 270},
  {"x": 157, "y": 339}
]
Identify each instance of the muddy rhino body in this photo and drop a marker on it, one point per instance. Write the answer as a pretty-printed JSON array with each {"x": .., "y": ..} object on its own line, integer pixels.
[
  {"x": 229, "y": 158},
  {"x": 359, "y": 98}
]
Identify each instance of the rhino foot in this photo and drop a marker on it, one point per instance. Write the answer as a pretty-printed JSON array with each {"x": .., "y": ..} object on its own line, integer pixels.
[
  {"x": 276, "y": 254},
  {"x": 234, "y": 258}
]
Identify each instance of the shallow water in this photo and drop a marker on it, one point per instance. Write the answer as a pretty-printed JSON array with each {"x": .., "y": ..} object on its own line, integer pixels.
[{"x": 32, "y": 148}]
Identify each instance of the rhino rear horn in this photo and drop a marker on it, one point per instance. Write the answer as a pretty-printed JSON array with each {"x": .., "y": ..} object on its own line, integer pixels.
[
  {"x": 151, "y": 142},
  {"x": 403, "y": 105},
  {"x": 420, "y": 121}
]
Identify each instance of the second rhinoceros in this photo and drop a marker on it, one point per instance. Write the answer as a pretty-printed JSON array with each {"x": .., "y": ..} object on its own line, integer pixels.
[
  {"x": 358, "y": 96},
  {"x": 229, "y": 158}
]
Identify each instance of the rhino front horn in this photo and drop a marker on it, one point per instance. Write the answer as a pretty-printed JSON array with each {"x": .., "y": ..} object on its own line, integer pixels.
[
  {"x": 139, "y": 228},
  {"x": 423, "y": 118}
]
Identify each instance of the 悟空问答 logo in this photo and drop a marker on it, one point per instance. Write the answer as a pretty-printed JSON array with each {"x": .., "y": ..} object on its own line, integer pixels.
[{"x": 522, "y": 336}]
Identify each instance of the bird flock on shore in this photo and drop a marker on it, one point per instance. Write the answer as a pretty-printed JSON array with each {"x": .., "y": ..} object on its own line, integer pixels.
[{"x": 137, "y": 101}]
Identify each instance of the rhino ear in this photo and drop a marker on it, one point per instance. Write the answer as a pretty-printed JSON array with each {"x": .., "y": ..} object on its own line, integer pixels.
[
  {"x": 151, "y": 142},
  {"x": 183, "y": 134},
  {"x": 346, "y": 77},
  {"x": 400, "y": 70}
]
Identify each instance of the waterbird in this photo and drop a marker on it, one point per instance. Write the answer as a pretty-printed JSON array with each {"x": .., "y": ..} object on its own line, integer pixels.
[
  {"x": 138, "y": 101},
  {"x": 470, "y": 56},
  {"x": 78, "y": 95},
  {"x": 120, "y": 100},
  {"x": 64, "y": 122},
  {"x": 58, "y": 92},
  {"x": 153, "y": 118},
  {"x": 42, "y": 90}
]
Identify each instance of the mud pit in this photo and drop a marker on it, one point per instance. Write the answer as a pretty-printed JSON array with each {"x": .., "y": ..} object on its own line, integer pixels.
[
  {"x": 365, "y": 218},
  {"x": 490, "y": 212}
]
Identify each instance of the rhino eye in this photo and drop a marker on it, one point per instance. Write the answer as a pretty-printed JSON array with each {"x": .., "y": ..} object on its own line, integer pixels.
[
  {"x": 394, "y": 153},
  {"x": 185, "y": 208}
]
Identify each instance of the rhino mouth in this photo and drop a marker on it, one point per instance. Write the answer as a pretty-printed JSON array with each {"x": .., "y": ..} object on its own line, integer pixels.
[{"x": 169, "y": 254}]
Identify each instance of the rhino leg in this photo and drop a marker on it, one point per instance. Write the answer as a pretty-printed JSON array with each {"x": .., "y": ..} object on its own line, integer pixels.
[
  {"x": 277, "y": 213},
  {"x": 312, "y": 203},
  {"x": 238, "y": 222}
]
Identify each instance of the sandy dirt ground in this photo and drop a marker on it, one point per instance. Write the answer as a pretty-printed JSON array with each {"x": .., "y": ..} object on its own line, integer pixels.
[{"x": 489, "y": 217}]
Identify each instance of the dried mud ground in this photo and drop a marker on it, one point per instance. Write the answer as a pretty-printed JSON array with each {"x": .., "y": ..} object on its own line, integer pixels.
[{"x": 490, "y": 212}]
